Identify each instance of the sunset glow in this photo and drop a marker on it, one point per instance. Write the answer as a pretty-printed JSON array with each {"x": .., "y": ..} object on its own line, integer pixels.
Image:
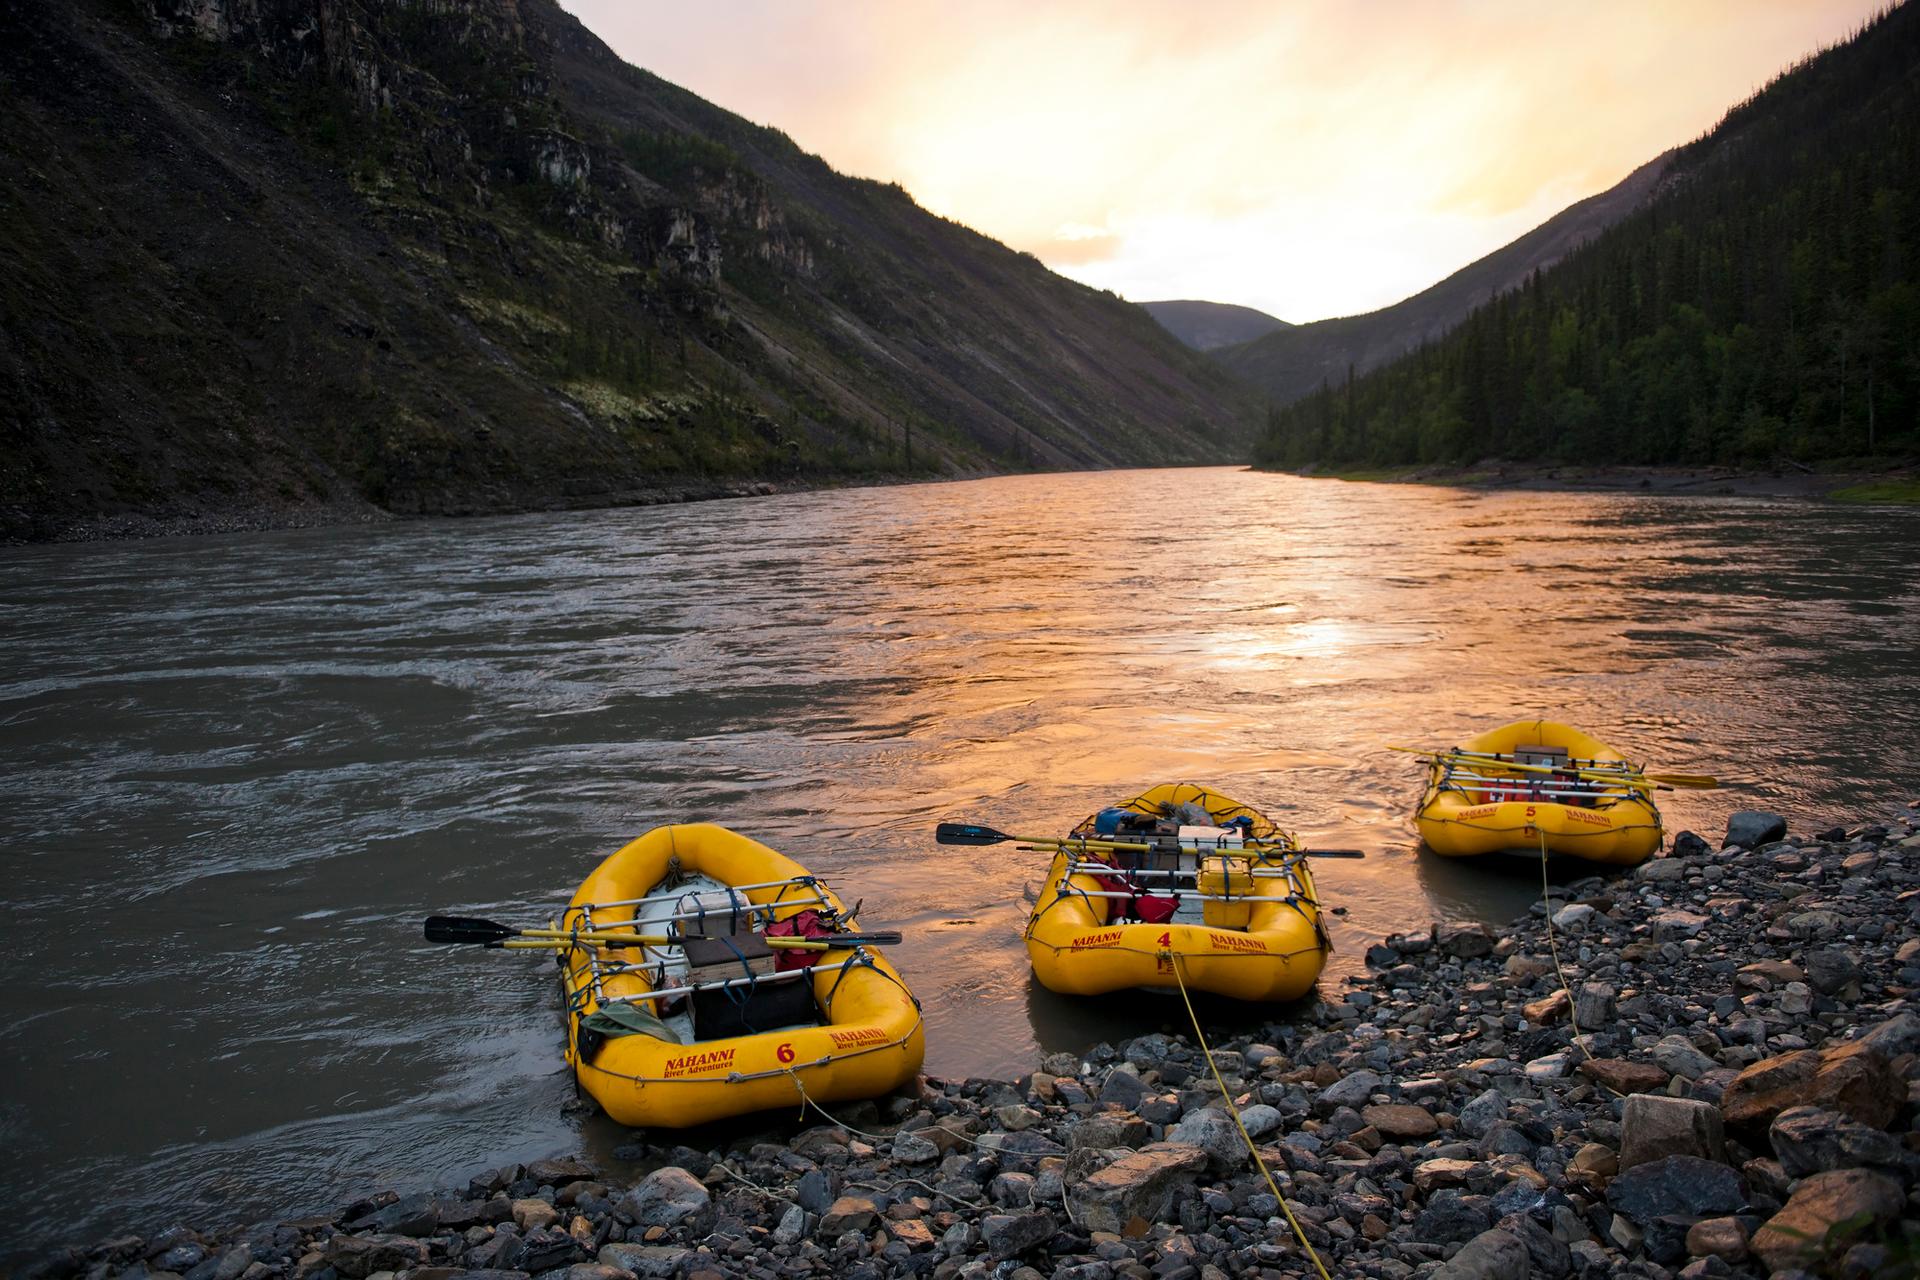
[{"x": 1316, "y": 159}]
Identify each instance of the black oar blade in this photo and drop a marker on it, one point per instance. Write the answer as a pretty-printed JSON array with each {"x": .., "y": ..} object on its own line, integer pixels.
[
  {"x": 876, "y": 938},
  {"x": 968, "y": 833},
  {"x": 1335, "y": 853},
  {"x": 466, "y": 929}
]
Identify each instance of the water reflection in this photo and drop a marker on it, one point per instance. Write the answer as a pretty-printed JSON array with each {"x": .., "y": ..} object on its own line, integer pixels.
[{"x": 263, "y": 759}]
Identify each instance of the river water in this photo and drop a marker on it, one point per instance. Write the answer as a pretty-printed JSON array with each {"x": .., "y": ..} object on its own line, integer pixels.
[{"x": 239, "y": 771}]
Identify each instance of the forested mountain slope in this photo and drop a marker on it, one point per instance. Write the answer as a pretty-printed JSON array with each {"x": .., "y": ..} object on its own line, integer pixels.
[
  {"x": 1765, "y": 302},
  {"x": 1295, "y": 361},
  {"x": 309, "y": 256}
]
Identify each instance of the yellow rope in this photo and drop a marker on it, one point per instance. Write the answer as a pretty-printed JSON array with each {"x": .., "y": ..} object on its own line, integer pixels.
[
  {"x": 1234, "y": 1111},
  {"x": 1553, "y": 947}
]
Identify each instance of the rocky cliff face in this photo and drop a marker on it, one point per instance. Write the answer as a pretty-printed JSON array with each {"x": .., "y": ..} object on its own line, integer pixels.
[{"x": 308, "y": 257}]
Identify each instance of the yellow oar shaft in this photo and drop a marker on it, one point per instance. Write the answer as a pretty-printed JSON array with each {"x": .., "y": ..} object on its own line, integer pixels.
[{"x": 1692, "y": 781}]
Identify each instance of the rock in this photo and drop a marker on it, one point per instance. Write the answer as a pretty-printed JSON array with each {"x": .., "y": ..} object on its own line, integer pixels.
[
  {"x": 1751, "y": 828},
  {"x": 1676, "y": 925},
  {"x": 1548, "y": 1009},
  {"x": 911, "y": 1232},
  {"x": 1552, "y": 1066},
  {"x": 1463, "y": 941},
  {"x": 1547, "y": 1252},
  {"x": 1452, "y": 1216},
  {"x": 1214, "y": 1132},
  {"x": 558, "y": 1171},
  {"x": 1654, "y": 1125},
  {"x": 529, "y": 1214},
  {"x": 850, "y": 1212},
  {"x": 1812, "y": 1139},
  {"x": 1593, "y": 1005},
  {"x": 1016, "y": 1117},
  {"x": 792, "y": 1227},
  {"x": 1675, "y": 1186},
  {"x": 1261, "y": 1119},
  {"x": 1798, "y": 1232},
  {"x": 1894, "y": 1037},
  {"x": 1483, "y": 1113},
  {"x": 1491, "y": 1255},
  {"x": 817, "y": 1190},
  {"x": 656, "y": 1261},
  {"x": 1574, "y": 917},
  {"x": 1123, "y": 1087},
  {"x": 1108, "y": 1129},
  {"x": 1689, "y": 845},
  {"x": 361, "y": 1256},
  {"x": 1832, "y": 972},
  {"x": 1722, "y": 1238},
  {"x": 1141, "y": 1184},
  {"x": 1349, "y": 1091},
  {"x": 1625, "y": 1077},
  {"x": 909, "y": 1148},
  {"x": 1007, "y": 1235},
  {"x": 1430, "y": 1175},
  {"x": 1400, "y": 1120},
  {"x": 1594, "y": 1162},
  {"x": 666, "y": 1197},
  {"x": 1849, "y": 1078}
]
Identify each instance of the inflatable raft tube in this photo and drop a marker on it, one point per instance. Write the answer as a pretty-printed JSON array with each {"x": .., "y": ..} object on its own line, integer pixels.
[
  {"x": 869, "y": 1040},
  {"x": 1246, "y": 926},
  {"x": 1476, "y": 804}
]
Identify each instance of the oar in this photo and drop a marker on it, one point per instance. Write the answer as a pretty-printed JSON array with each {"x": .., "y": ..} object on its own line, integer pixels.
[
  {"x": 1624, "y": 774},
  {"x": 973, "y": 833},
  {"x": 466, "y": 929}
]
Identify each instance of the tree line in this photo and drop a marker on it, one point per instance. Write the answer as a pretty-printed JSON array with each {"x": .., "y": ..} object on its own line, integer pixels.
[{"x": 1763, "y": 304}]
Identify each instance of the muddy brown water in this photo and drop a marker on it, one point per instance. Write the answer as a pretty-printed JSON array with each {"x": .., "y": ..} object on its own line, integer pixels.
[{"x": 238, "y": 771}]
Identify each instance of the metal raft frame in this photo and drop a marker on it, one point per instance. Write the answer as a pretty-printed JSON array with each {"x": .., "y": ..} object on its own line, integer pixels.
[{"x": 656, "y": 957}]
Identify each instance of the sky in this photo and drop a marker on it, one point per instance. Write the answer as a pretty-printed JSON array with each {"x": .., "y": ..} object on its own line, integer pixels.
[{"x": 1310, "y": 158}]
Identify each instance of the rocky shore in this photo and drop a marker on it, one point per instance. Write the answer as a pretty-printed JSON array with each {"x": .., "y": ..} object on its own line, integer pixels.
[{"x": 1724, "y": 1084}]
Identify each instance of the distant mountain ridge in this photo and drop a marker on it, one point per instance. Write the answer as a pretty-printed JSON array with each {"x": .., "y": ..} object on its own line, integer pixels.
[
  {"x": 1295, "y": 361},
  {"x": 1205, "y": 326},
  {"x": 297, "y": 256},
  {"x": 1763, "y": 305}
]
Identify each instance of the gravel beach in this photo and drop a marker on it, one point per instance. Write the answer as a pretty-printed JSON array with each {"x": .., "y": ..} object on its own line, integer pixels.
[{"x": 1717, "y": 1077}]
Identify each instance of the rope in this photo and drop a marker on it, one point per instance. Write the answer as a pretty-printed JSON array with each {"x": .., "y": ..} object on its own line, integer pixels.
[
  {"x": 1246, "y": 1137},
  {"x": 1553, "y": 948}
]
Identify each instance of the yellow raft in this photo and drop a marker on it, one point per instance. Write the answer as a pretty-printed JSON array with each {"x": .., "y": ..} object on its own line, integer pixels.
[
  {"x": 869, "y": 1040},
  {"x": 1535, "y": 783},
  {"x": 1246, "y": 923}
]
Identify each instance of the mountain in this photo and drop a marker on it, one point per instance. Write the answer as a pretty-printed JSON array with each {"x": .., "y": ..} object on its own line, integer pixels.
[
  {"x": 1766, "y": 300},
  {"x": 1295, "y": 361},
  {"x": 289, "y": 260},
  {"x": 1207, "y": 325}
]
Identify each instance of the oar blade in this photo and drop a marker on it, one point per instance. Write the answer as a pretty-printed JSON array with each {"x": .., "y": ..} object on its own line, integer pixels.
[
  {"x": 466, "y": 929},
  {"x": 1334, "y": 853},
  {"x": 968, "y": 833},
  {"x": 1687, "y": 781}
]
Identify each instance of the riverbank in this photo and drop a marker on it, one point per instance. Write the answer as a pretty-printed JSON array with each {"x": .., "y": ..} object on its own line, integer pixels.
[
  {"x": 1704, "y": 1067},
  {"x": 1900, "y": 485}
]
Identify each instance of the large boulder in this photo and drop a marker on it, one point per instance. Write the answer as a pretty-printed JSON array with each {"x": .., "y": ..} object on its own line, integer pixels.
[
  {"x": 1654, "y": 1125},
  {"x": 1751, "y": 828},
  {"x": 1799, "y": 1231},
  {"x": 1812, "y": 1140},
  {"x": 1140, "y": 1184},
  {"x": 1676, "y": 1186},
  {"x": 1849, "y": 1078}
]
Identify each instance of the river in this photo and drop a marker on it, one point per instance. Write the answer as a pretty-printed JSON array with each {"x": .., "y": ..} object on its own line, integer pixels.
[{"x": 240, "y": 770}]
